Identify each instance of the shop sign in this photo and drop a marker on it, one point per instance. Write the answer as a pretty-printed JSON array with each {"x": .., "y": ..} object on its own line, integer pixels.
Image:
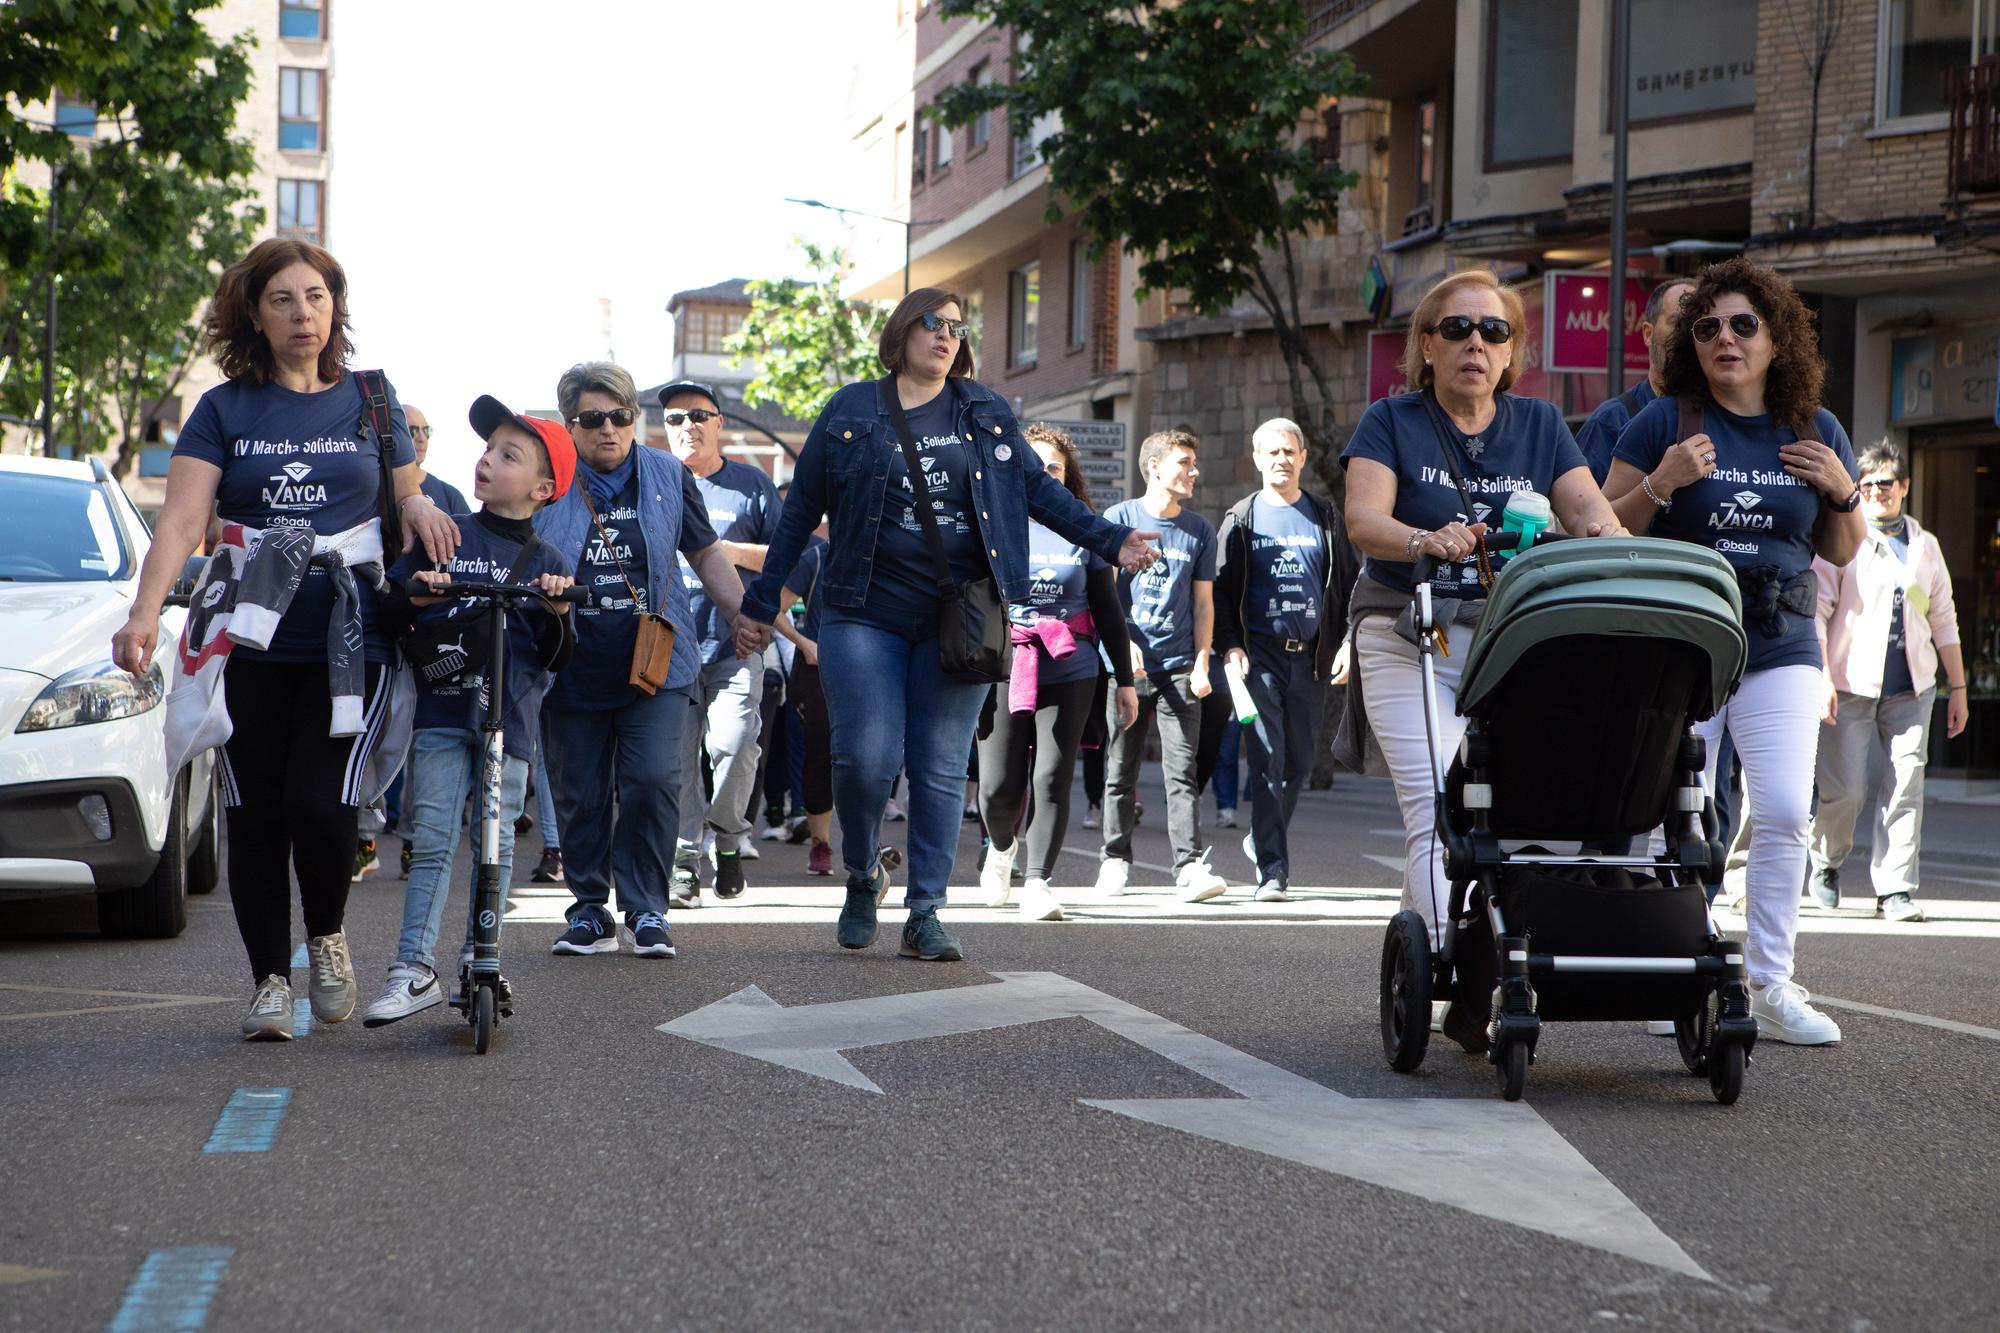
[
  {"x": 1945, "y": 374},
  {"x": 1385, "y": 363},
  {"x": 1579, "y": 319},
  {"x": 1692, "y": 58}
]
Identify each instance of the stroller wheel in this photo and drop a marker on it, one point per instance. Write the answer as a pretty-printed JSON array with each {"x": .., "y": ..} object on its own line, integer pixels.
[
  {"x": 1406, "y": 991},
  {"x": 1512, "y": 1065},
  {"x": 1725, "y": 1073},
  {"x": 1691, "y": 1035}
]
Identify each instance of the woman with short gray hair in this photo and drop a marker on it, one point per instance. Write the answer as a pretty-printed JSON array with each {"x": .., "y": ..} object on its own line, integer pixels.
[
  {"x": 614, "y": 732},
  {"x": 1887, "y": 621}
]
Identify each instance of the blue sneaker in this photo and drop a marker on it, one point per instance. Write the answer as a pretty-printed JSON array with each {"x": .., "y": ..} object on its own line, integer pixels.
[
  {"x": 646, "y": 934},
  {"x": 924, "y": 937},
  {"x": 586, "y": 934},
  {"x": 856, "y": 928}
]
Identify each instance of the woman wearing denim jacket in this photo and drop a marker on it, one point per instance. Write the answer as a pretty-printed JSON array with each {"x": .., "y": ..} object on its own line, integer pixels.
[{"x": 889, "y": 702}]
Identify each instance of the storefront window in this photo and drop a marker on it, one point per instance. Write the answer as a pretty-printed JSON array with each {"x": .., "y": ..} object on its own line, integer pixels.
[{"x": 1970, "y": 536}]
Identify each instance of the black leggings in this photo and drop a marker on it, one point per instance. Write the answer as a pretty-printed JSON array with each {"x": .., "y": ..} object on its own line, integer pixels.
[
  {"x": 816, "y": 772},
  {"x": 1051, "y": 733},
  {"x": 293, "y": 794}
]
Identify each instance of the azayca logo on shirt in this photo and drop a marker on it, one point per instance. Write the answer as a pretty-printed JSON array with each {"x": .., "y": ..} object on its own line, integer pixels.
[
  {"x": 1152, "y": 590},
  {"x": 616, "y": 524},
  {"x": 937, "y": 479},
  {"x": 292, "y": 487},
  {"x": 1288, "y": 570}
]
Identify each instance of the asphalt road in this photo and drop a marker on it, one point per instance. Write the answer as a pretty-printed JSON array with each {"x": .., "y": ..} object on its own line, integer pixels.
[{"x": 595, "y": 1172}]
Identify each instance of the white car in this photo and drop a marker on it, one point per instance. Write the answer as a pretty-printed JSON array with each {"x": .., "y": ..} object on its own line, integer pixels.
[{"x": 86, "y": 802}]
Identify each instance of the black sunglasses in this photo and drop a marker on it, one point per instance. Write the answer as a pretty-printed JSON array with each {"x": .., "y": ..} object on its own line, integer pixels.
[
  {"x": 1879, "y": 483},
  {"x": 700, "y": 416},
  {"x": 620, "y": 417},
  {"x": 1457, "y": 328},
  {"x": 957, "y": 328},
  {"x": 1743, "y": 324}
]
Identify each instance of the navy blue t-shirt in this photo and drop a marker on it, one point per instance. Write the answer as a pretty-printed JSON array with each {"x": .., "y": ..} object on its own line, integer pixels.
[
  {"x": 488, "y": 554},
  {"x": 1750, "y": 510},
  {"x": 298, "y": 460},
  {"x": 1525, "y": 448},
  {"x": 599, "y": 674},
  {"x": 803, "y": 583},
  {"x": 1896, "y": 678},
  {"x": 742, "y": 505},
  {"x": 902, "y": 589},
  {"x": 1598, "y": 435},
  {"x": 444, "y": 495},
  {"x": 1058, "y": 572},
  {"x": 1287, "y": 569},
  {"x": 1159, "y": 600}
]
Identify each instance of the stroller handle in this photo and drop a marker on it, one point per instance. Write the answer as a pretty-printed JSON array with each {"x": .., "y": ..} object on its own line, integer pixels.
[{"x": 1494, "y": 542}]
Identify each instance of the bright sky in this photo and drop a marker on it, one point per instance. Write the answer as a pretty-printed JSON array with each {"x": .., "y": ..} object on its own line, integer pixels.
[{"x": 501, "y": 165}]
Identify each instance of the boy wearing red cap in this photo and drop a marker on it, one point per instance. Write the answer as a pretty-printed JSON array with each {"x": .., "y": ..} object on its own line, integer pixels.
[{"x": 528, "y": 462}]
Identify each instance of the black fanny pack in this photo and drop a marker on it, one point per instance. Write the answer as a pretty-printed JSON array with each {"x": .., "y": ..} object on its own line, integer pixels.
[
  {"x": 446, "y": 651},
  {"x": 1768, "y": 595}
]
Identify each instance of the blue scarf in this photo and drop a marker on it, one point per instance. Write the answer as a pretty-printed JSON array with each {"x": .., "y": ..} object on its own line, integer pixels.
[{"x": 605, "y": 486}]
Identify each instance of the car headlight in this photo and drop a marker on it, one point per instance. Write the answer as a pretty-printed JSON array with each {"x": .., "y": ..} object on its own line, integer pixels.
[{"x": 100, "y": 692}]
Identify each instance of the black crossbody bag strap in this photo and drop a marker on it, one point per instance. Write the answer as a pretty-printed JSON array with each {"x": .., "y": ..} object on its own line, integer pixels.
[
  {"x": 914, "y": 466},
  {"x": 1448, "y": 443},
  {"x": 375, "y": 416}
]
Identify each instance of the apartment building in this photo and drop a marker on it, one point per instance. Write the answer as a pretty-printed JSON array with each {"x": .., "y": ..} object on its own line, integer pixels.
[
  {"x": 1054, "y": 328},
  {"x": 704, "y": 318}
]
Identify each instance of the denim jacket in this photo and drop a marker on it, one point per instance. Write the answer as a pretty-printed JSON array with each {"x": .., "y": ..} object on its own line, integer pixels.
[
  {"x": 566, "y": 526},
  {"x": 843, "y": 473}
]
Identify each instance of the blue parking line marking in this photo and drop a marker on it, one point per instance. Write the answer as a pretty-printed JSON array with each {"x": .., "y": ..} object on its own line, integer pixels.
[
  {"x": 250, "y": 1121},
  {"x": 299, "y": 958},
  {"x": 302, "y": 1017},
  {"x": 173, "y": 1290}
]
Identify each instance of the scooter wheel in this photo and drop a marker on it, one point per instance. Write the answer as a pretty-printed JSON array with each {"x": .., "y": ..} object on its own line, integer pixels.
[
  {"x": 1725, "y": 1073},
  {"x": 1513, "y": 1068},
  {"x": 483, "y": 1019}
]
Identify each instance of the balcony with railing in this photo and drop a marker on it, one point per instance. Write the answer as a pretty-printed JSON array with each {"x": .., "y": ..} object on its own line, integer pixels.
[{"x": 1973, "y": 92}]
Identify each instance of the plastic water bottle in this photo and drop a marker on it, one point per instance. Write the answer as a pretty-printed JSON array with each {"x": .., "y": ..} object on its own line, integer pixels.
[
  {"x": 1239, "y": 693},
  {"x": 1527, "y": 514}
]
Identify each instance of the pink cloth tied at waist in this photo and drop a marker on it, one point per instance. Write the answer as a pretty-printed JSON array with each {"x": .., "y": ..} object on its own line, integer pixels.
[{"x": 1058, "y": 637}]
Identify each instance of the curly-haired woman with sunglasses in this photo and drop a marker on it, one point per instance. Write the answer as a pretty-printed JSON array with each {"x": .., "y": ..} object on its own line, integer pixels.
[
  {"x": 1764, "y": 475},
  {"x": 1405, "y": 466},
  {"x": 614, "y": 748}
]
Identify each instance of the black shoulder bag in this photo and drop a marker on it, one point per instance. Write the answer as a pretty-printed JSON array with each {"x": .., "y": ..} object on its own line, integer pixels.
[
  {"x": 446, "y": 650},
  {"x": 974, "y": 644},
  {"x": 375, "y": 416}
]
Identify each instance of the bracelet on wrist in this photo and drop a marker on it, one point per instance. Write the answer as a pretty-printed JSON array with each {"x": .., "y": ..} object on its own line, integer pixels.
[
  {"x": 1414, "y": 544},
  {"x": 1952, "y": 689},
  {"x": 1646, "y": 485}
]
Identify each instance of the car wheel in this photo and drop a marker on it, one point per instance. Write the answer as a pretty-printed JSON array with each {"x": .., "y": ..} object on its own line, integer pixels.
[
  {"x": 157, "y": 909},
  {"x": 204, "y": 866}
]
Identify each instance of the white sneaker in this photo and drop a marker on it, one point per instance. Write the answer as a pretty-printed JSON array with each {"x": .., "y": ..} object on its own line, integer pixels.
[
  {"x": 1659, "y": 1027},
  {"x": 1226, "y": 818},
  {"x": 1783, "y": 1013},
  {"x": 1273, "y": 891},
  {"x": 893, "y": 813},
  {"x": 1439, "y": 1008},
  {"x": 1093, "y": 817},
  {"x": 412, "y": 989},
  {"x": 270, "y": 1016},
  {"x": 769, "y": 832},
  {"x": 333, "y": 991},
  {"x": 996, "y": 875},
  {"x": 1037, "y": 903},
  {"x": 1198, "y": 883},
  {"x": 1250, "y": 849},
  {"x": 1113, "y": 876},
  {"x": 747, "y": 849}
]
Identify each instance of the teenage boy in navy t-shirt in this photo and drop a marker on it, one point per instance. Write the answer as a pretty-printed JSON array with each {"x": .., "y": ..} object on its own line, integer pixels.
[
  {"x": 1170, "y": 608},
  {"x": 528, "y": 462}
]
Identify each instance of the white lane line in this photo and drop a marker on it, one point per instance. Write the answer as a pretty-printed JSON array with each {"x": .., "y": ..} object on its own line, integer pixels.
[{"x": 1923, "y": 1020}]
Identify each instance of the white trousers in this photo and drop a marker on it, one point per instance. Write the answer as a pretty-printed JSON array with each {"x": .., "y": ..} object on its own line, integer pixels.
[
  {"x": 1773, "y": 719},
  {"x": 1392, "y": 681}
]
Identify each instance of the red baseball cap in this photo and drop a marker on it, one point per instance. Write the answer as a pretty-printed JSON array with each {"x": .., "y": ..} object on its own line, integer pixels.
[{"x": 489, "y": 412}]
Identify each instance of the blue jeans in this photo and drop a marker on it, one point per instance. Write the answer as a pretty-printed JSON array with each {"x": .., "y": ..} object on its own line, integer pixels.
[
  {"x": 1227, "y": 755},
  {"x": 628, "y": 758},
  {"x": 444, "y": 768},
  {"x": 545, "y": 801},
  {"x": 890, "y": 706}
]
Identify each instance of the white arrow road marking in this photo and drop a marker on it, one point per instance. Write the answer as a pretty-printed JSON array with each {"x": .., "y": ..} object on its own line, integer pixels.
[{"x": 1489, "y": 1158}]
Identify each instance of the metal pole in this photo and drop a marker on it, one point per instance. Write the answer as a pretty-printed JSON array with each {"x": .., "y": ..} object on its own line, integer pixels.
[
  {"x": 1621, "y": 74},
  {"x": 49, "y": 329}
]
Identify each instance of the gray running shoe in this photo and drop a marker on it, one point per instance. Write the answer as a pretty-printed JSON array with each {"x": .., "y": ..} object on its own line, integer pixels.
[
  {"x": 1824, "y": 886},
  {"x": 333, "y": 991},
  {"x": 686, "y": 889},
  {"x": 1273, "y": 891},
  {"x": 270, "y": 1016},
  {"x": 857, "y": 926},
  {"x": 924, "y": 937},
  {"x": 1898, "y": 907}
]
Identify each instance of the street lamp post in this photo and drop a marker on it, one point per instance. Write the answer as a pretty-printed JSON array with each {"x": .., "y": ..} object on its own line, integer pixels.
[
  {"x": 1621, "y": 119},
  {"x": 907, "y": 224},
  {"x": 49, "y": 326}
]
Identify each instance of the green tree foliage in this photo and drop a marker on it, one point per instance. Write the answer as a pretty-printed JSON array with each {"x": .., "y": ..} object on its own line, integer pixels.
[
  {"x": 806, "y": 338},
  {"x": 1179, "y": 135},
  {"x": 147, "y": 212}
]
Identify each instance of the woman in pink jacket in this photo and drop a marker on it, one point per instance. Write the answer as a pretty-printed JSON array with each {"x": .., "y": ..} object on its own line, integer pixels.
[{"x": 1886, "y": 621}]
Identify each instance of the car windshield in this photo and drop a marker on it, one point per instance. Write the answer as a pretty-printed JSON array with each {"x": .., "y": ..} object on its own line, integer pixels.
[{"x": 57, "y": 530}]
